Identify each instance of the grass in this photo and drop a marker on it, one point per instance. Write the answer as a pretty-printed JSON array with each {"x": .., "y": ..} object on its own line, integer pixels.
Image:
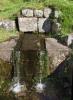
[
  {"x": 11, "y": 8},
  {"x": 4, "y": 35}
]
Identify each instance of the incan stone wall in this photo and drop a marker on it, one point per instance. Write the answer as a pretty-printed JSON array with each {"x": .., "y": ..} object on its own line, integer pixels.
[
  {"x": 36, "y": 20},
  {"x": 33, "y": 20}
]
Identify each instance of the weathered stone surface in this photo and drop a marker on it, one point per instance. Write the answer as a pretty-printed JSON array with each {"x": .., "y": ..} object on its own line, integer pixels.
[
  {"x": 38, "y": 13},
  {"x": 6, "y": 49},
  {"x": 47, "y": 12},
  {"x": 43, "y": 25},
  {"x": 27, "y": 24},
  {"x": 57, "y": 53},
  {"x": 8, "y": 24},
  {"x": 27, "y": 12}
]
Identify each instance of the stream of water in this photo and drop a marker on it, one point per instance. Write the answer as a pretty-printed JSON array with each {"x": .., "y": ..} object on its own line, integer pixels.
[{"x": 30, "y": 80}]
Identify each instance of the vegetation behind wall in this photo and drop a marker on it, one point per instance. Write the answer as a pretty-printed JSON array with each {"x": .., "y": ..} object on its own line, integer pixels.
[{"x": 10, "y": 8}]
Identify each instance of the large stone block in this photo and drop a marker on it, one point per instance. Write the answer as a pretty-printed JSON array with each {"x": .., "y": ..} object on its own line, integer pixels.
[
  {"x": 57, "y": 53},
  {"x": 43, "y": 25},
  {"x": 27, "y": 24},
  {"x": 38, "y": 13},
  {"x": 47, "y": 12},
  {"x": 27, "y": 12}
]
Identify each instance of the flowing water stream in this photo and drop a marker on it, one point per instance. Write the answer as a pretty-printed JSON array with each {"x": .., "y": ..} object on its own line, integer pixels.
[
  {"x": 30, "y": 80},
  {"x": 37, "y": 87},
  {"x": 29, "y": 71},
  {"x": 16, "y": 85}
]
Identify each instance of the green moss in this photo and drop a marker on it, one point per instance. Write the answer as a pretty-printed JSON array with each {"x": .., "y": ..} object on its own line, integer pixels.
[{"x": 5, "y": 71}]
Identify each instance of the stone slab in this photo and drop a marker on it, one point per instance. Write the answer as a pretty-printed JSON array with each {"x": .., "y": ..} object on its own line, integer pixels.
[
  {"x": 57, "y": 53},
  {"x": 43, "y": 25},
  {"x": 27, "y": 24}
]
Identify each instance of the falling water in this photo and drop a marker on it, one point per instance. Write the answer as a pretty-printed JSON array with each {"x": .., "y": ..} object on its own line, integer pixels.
[
  {"x": 18, "y": 65},
  {"x": 40, "y": 86},
  {"x": 17, "y": 86}
]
